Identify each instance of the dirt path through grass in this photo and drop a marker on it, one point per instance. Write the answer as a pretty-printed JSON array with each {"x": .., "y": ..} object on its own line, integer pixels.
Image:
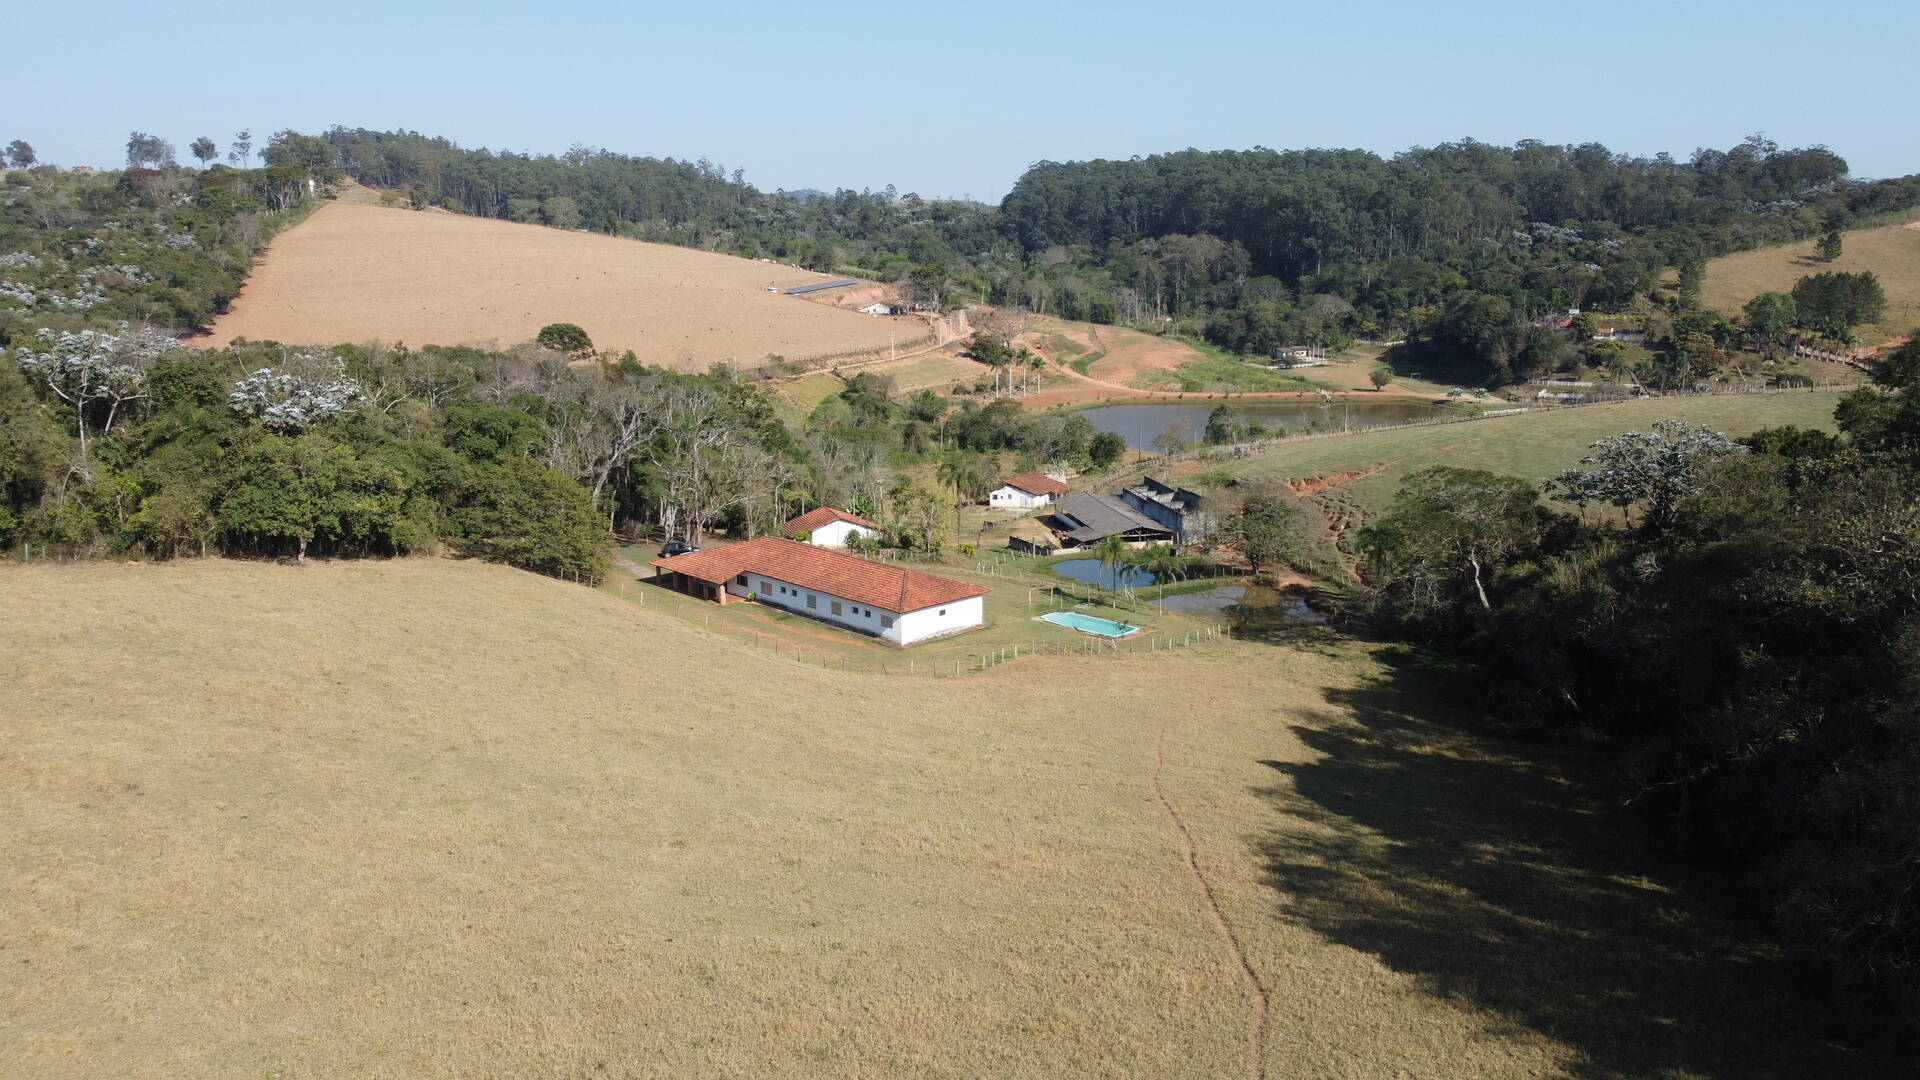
[{"x": 1256, "y": 990}]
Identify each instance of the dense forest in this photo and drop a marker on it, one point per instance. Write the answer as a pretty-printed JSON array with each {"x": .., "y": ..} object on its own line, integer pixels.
[
  {"x": 1742, "y": 622},
  {"x": 115, "y": 437},
  {"x": 1459, "y": 248}
]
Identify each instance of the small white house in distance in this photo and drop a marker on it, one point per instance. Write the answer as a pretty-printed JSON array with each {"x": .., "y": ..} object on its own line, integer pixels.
[
  {"x": 888, "y": 602},
  {"x": 882, "y": 308},
  {"x": 827, "y": 527},
  {"x": 1026, "y": 491}
]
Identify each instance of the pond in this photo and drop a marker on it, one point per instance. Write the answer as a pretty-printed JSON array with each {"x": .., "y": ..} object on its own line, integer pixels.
[
  {"x": 1141, "y": 424},
  {"x": 1246, "y": 608},
  {"x": 1090, "y": 572}
]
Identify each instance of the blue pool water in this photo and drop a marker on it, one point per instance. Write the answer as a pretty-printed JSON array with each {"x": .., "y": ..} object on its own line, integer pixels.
[{"x": 1088, "y": 624}]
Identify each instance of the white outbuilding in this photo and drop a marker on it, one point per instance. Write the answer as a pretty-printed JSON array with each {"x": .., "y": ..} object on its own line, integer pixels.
[
  {"x": 827, "y": 527},
  {"x": 1026, "y": 491}
]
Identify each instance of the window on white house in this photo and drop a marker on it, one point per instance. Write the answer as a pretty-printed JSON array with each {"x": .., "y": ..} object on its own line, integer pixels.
[
  {"x": 812, "y": 600},
  {"x": 766, "y": 586},
  {"x": 741, "y": 581},
  {"x": 836, "y": 608},
  {"x": 943, "y": 611},
  {"x": 886, "y": 621}
]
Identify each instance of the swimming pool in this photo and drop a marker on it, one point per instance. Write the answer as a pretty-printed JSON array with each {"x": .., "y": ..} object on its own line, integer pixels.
[{"x": 1088, "y": 624}]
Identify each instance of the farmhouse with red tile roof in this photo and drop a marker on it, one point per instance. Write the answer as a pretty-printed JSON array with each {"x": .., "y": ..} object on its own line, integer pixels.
[
  {"x": 827, "y": 527},
  {"x": 1026, "y": 491},
  {"x": 889, "y": 602}
]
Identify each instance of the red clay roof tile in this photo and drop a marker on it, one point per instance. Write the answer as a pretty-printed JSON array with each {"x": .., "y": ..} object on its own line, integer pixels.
[
  {"x": 863, "y": 581},
  {"x": 823, "y": 515},
  {"x": 1034, "y": 483}
]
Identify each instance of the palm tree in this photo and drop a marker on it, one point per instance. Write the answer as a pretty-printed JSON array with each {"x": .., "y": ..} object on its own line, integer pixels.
[
  {"x": 1162, "y": 562},
  {"x": 1114, "y": 554},
  {"x": 961, "y": 475}
]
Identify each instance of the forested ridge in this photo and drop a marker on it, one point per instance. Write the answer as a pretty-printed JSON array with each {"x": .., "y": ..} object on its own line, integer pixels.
[{"x": 1458, "y": 248}]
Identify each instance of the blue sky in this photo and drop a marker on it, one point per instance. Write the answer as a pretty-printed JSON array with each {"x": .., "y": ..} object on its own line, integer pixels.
[{"x": 959, "y": 99}]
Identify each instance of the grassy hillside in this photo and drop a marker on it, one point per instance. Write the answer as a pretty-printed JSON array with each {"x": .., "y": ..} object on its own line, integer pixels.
[
  {"x": 354, "y": 273},
  {"x": 1892, "y": 252},
  {"x": 426, "y": 818},
  {"x": 1368, "y": 467}
]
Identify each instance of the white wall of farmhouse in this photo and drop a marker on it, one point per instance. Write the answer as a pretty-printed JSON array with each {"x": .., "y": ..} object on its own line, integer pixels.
[
  {"x": 1014, "y": 498},
  {"x": 838, "y": 610},
  {"x": 836, "y": 533},
  {"x": 942, "y": 619}
]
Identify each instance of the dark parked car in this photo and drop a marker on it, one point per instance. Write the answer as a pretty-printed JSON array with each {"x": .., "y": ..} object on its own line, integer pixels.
[{"x": 675, "y": 547}]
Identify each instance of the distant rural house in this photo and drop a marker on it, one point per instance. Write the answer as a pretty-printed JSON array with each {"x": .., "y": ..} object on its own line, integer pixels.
[
  {"x": 1622, "y": 335},
  {"x": 1085, "y": 518},
  {"x": 882, "y": 308},
  {"x": 891, "y": 603},
  {"x": 827, "y": 527},
  {"x": 1176, "y": 508},
  {"x": 1027, "y": 491}
]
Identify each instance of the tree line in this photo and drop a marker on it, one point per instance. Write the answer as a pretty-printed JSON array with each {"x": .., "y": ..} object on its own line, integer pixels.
[
  {"x": 1741, "y": 622},
  {"x": 1457, "y": 247}
]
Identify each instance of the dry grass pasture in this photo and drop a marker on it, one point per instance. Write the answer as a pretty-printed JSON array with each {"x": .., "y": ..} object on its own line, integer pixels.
[
  {"x": 354, "y": 272},
  {"x": 1892, "y": 252},
  {"x": 1367, "y": 467},
  {"x": 425, "y": 818}
]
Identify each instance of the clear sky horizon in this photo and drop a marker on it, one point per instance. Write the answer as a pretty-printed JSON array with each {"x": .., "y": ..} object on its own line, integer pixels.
[{"x": 958, "y": 102}]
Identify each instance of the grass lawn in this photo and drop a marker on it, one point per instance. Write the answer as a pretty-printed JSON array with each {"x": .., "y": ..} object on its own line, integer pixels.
[
  {"x": 431, "y": 818},
  {"x": 1890, "y": 251},
  {"x": 1224, "y": 373},
  {"x": 939, "y": 370},
  {"x": 1530, "y": 445},
  {"x": 797, "y": 398}
]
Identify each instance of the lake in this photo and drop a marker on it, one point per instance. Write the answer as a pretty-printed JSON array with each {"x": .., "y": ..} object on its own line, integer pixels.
[{"x": 1141, "y": 424}]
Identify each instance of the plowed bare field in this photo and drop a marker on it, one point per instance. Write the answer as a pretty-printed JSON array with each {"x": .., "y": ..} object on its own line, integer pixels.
[{"x": 355, "y": 273}]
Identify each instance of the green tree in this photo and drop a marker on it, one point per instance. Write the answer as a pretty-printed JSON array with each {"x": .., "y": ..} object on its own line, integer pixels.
[
  {"x": 920, "y": 518},
  {"x": 524, "y": 514},
  {"x": 1380, "y": 377},
  {"x": 1650, "y": 469},
  {"x": 561, "y": 212},
  {"x": 1770, "y": 316},
  {"x": 1105, "y": 449},
  {"x": 963, "y": 475},
  {"x": 1163, "y": 562},
  {"x": 1830, "y": 246},
  {"x": 20, "y": 154},
  {"x": 1448, "y": 527},
  {"x": 1265, "y": 531},
  {"x": 1172, "y": 440},
  {"x": 204, "y": 149},
  {"x": 565, "y": 337},
  {"x": 148, "y": 151},
  {"x": 1693, "y": 274},
  {"x": 1113, "y": 553}
]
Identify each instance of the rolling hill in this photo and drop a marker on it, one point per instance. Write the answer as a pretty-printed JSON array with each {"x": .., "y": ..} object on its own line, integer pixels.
[
  {"x": 1892, "y": 252},
  {"x": 353, "y": 273},
  {"x": 418, "y": 817}
]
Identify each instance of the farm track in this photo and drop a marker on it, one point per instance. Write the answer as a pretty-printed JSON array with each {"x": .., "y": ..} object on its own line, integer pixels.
[{"x": 1256, "y": 990}]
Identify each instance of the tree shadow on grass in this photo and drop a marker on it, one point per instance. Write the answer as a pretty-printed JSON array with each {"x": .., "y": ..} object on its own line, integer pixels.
[{"x": 1500, "y": 876}]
